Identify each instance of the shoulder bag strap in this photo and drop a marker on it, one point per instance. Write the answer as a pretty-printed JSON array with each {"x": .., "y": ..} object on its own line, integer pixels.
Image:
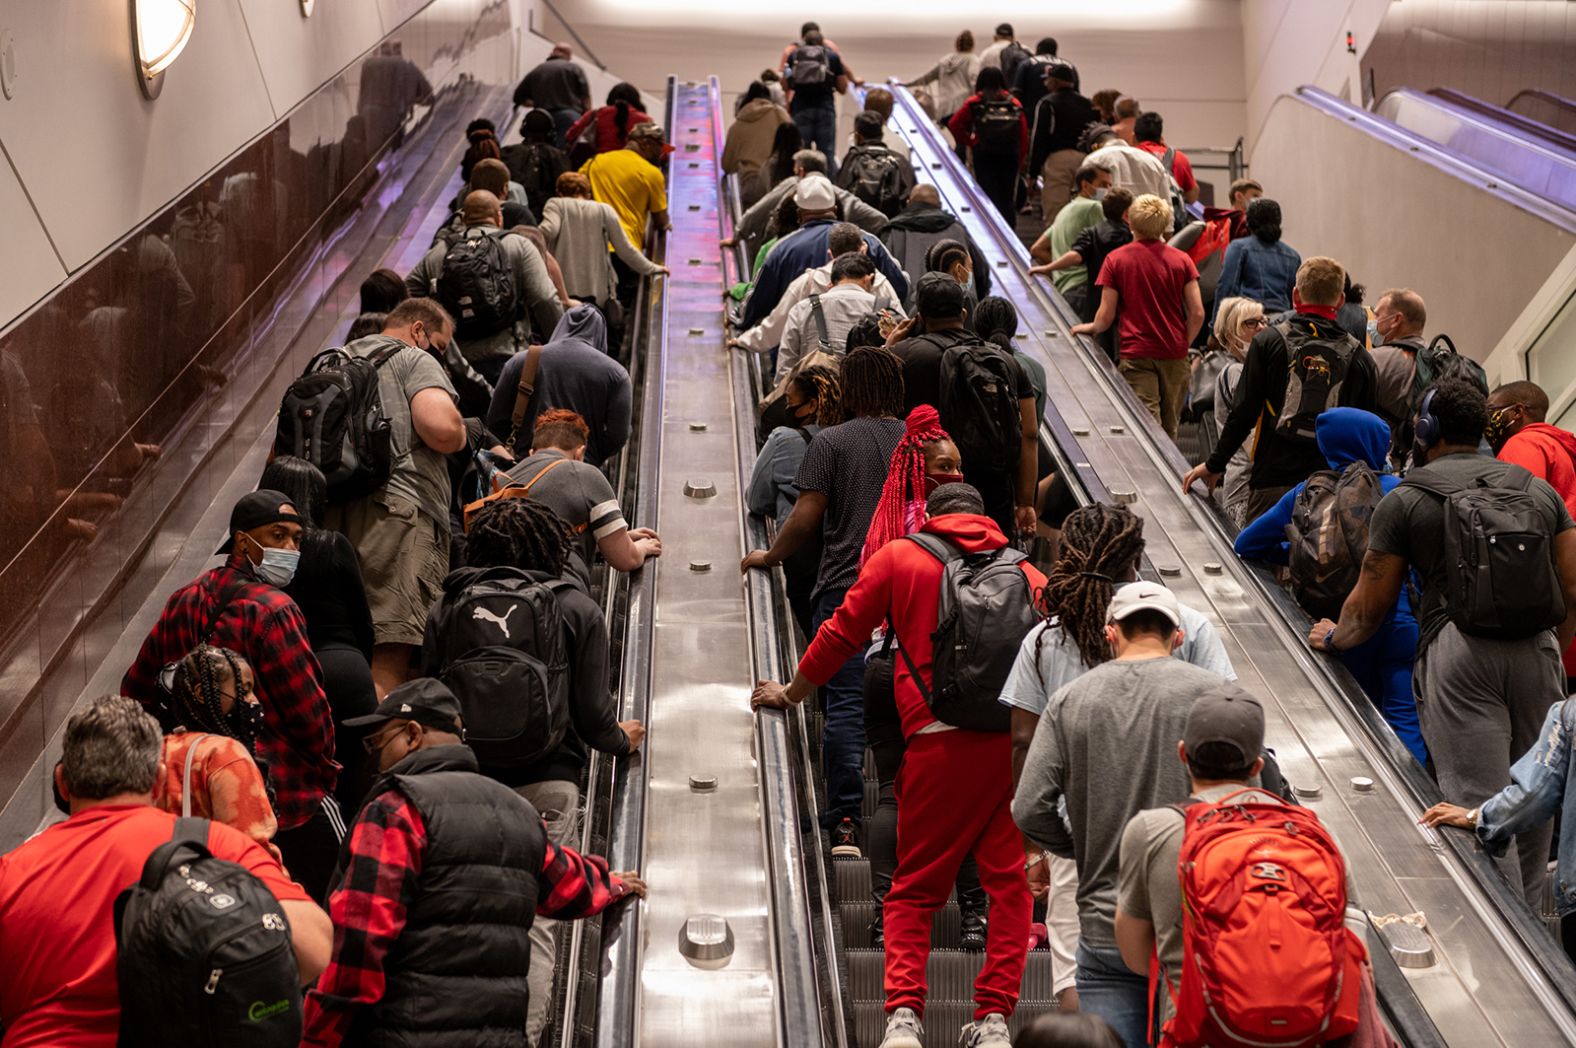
[
  {"x": 186, "y": 778},
  {"x": 524, "y": 392},
  {"x": 820, "y": 323},
  {"x": 913, "y": 671},
  {"x": 936, "y": 546},
  {"x": 525, "y": 489},
  {"x": 190, "y": 836}
]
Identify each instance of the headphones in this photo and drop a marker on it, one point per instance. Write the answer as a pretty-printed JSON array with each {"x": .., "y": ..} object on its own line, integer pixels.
[{"x": 1427, "y": 429}]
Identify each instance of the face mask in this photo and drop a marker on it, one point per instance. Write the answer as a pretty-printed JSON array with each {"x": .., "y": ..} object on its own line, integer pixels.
[
  {"x": 1494, "y": 432},
  {"x": 279, "y": 566},
  {"x": 1374, "y": 338},
  {"x": 1099, "y": 194},
  {"x": 246, "y": 721},
  {"x": 935, "y": 480}
]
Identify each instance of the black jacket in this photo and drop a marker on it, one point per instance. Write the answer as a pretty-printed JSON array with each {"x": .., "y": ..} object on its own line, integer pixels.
[
  {"x": 918, "y": 227},
  {"x": 1059, "y": 119},
  {"x": 1285, "y": 461},
  {"x": 593, "y": 720},
  {"x": 457, "y": 973}
]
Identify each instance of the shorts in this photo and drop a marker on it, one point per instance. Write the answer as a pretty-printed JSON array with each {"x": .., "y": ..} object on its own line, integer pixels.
[{"x": 404, "y": 558}]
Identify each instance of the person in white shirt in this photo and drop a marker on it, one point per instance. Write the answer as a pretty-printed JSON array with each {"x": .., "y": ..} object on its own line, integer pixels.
[
  {"x": 1004, "y": 39},
  {"x": 1131, "y": 168},
  {"x": 844, "y": 238},
  {"x": 841, "y": 306}
]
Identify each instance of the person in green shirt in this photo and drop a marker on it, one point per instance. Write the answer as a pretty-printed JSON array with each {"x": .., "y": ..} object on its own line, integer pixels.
[{"x": 1081, "y": 213}]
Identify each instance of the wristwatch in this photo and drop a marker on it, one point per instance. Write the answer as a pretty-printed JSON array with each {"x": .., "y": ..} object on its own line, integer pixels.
[
  {"x": 1329, "y": 637},
  {"x": 1472, "y": 818}
]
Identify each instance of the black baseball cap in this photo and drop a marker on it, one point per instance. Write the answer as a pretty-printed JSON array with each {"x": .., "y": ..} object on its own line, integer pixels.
[
  {"x": 1227, "y": 716},
  {"x": 257, "y": 509},
  {"x": 1059, "y": 70},
  {"x": 868, "y": 125},
  {"x": 938, "y": 296},
  {"x": 425, "y": 700},
  {"x": 1005, "y": 29}
]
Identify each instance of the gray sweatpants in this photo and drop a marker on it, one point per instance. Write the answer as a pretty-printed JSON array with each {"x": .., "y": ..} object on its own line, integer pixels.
[
  {"x": 1481, "y": 704},
  {"x": 558, "y": 803}
]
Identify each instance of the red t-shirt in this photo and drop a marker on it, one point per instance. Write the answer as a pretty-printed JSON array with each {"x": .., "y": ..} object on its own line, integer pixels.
[
  {"x": 1181, "y": 166},
  {"x": 58, "y": 986},
  {"x": 1151, "y": 319}
]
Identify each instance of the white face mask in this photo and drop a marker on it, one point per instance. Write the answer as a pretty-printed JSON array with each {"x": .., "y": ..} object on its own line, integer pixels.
[
  {"x": 1099, "y": 194},
  {"x": 278, "y": 566}
]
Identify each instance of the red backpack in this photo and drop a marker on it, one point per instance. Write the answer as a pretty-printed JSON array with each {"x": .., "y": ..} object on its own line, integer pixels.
[{"x": 1267, "y": 960}]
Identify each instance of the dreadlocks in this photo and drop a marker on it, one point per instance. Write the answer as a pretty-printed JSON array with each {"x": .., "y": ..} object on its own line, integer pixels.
[
  {"x": 518, "y": 533},
  {"x": 820, "y": 383},
  {"x": 872, "y": 379},
  {"x": 1100, "y": 546},
  {"x": 199, "y": 687},
  {"x": 905, "y": 482}
]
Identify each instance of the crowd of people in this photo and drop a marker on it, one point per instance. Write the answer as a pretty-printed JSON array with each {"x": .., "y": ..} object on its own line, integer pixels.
[{"x": 382, "y": 702}]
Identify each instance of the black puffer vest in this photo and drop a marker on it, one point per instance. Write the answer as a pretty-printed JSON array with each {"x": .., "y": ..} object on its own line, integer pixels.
[{"x": 457, "y": 975}]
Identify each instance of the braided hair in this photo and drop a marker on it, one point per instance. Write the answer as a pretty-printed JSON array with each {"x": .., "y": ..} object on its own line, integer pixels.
[
  {"x": 820, "y": 383},
  {"x": 518, "y": 533},
  {"x": 1100, "y": 546},
  {"x": 872, "y": 379},
  {"x": 198, "y": 689},
  {"x": 905, "y": 481}
]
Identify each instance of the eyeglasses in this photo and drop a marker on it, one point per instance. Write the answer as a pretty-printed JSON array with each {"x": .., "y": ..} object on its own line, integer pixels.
[
  {"x": 1257, "y": 322},
  {"x": 375, "y": 742}
]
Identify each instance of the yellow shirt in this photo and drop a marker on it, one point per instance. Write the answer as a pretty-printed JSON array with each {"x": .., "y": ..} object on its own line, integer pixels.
[{"x": 631, "y": 185}]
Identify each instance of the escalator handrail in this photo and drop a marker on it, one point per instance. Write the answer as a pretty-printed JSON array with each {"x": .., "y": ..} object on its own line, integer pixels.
[
  {"x": 1551, "y": 137},
  {"x": 1544, "y": 955},
  {"x": 806, "y": 1019},
  {"x": 1435, "y": 155},
  {"x": 618, "y": 989}
]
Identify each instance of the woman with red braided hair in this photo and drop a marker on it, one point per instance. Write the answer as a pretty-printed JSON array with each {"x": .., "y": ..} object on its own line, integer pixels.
[{"x": 925, "y": 459}]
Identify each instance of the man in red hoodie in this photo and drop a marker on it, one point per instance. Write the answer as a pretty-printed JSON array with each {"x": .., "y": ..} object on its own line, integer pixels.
[
  {"x": 1517, "y": 433},
  {"x": 955, "y": 786}
]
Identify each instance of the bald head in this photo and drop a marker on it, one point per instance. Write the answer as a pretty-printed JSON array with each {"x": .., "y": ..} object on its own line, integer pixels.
[
  {"x": 926, "y": 195},
  {"x": 481, "y": 208},
  {"x": 1528, "y": 395},
  {"x": 560, "y": 50}
]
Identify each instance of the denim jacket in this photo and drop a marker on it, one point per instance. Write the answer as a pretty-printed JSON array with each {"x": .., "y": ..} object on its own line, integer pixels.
[{"x": 1537, "y": 790}]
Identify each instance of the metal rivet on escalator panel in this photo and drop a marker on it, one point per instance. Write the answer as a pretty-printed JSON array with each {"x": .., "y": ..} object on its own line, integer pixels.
[
  {"x": 1022, "y": 336},
  {"x": 694, "y": 207},
  {"x": 1080, "y": 431},
  {"x": 1170, "y": 571},
  {"x": 699, "y": 488},
  {"x": 692, "y": 147},
  {"x": 1001, "y": 263},
  {"x": 697, "y": 427},
  {"x": 965, "y": 207},
  {"x": 696, "y": 261},
  {"x": 1309, "y": 793},
  {"x": 706, "y": 941},
  {"x": 1491, "y": 185},
  {"x": 703, "y": 783},
  {"x": 1080, "y": 465},
  {"x": 1118, "y": 430},
  {"x": 1124, "y": 496},
  {"x": 697, "y": 332},
  {"x": 1362, "y": 784},
  {"x": 694, "y": 164},
  {"x": 1213, "y": 567},
  {"x": 700, "y": 566}
]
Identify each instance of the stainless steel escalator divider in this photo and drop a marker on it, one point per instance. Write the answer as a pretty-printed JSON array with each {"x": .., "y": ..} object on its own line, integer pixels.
[
  {"x": 811, "y": 1015},
  {"x": 1548, "y": 975}
]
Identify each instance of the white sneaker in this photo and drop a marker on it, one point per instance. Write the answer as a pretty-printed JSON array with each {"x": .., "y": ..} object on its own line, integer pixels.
[
  {"x": 903, "y": 1030},
  {"x": 989, "y": 1032}
]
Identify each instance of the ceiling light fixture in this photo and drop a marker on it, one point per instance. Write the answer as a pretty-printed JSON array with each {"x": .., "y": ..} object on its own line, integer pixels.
[
  {"x": 306, "y": 8},
  {"x": 159, "y": 32}
]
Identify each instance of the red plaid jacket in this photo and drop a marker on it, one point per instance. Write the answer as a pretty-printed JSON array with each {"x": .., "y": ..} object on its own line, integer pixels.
[
  {"x": 264, "y": 625},
  {"x": 387, "y": 843}
]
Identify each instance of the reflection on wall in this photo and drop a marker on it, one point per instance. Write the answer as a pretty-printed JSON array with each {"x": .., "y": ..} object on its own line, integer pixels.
[
  {"x": 117, "y": 391},
  {"x": 1492, "y": 50}
]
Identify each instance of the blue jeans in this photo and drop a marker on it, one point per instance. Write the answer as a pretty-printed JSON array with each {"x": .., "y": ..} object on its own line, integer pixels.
[
  {"x": 843, "y": 738},
  {"x": 818, "y": 127},
  {"x": 1109, "y": 989}
]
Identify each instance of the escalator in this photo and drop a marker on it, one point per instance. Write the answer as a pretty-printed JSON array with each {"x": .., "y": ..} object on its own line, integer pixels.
[
  {"x": 1486, "y": 972},
  {"x": 1546, "y": 108}
]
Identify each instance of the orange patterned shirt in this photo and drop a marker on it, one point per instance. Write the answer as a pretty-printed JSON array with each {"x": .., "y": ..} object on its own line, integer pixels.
[{"x": 227, "y": 785}]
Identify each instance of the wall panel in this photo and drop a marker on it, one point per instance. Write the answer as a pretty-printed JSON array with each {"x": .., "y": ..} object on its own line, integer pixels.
[{"x": 298, "y": 55}]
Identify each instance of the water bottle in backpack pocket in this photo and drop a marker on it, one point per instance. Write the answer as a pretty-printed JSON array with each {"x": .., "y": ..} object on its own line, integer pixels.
[
  {"x": 1267, "y": 959},
  {"x": 332, "y": 416},
  {"x": 1316, "y": 369},
  {"x": 204, "y": 953},
  {"x": 500, "y": 647},
  {"x": 1499, "y": 554},
  {"x": 1328, "y": 536}
]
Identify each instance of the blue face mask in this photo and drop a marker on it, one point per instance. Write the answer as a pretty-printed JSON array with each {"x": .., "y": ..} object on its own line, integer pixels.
[
  {"x": 279, "y": 566},
  {"x": 1374, "y": 338}
]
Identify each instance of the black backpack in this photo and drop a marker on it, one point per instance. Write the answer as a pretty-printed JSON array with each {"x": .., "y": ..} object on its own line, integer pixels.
[
  {"x": 979, "y": 405},
  {"x": 1317, "y": 367},
  {"x": 996, "y": 122},
  {"x": 1012, "y": 58},
  {"x": 1499, "y": 555},
  {"x": 874, "y": 174},
  {"x": 536, "y": 167},
  {"x": 204, "y": 954},
  {"x": 809, "y": 66},
  {"x": 1328, "y": 536},
  {"x": 500, "y": 648},
  {"x": 333, "y": 417},
  {"x": 985, "y": 610},
  {"x": 476, "y": 285}
]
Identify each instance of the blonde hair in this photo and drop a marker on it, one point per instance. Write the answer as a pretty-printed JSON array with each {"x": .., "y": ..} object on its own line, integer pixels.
[
  {"x": 1150, "y": 217},
  {"x": 1231, "y": 315},
  {"x": 1321, "y": 281}
]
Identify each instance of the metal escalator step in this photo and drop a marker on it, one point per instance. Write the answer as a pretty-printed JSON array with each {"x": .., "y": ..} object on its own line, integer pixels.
[
  {"x": 872, "y": 795},
  {"x": 870, "y": 767},
  {"x": 943, "y": 1020},
  {"x": 853, "y": 880},
  {"x": 858, "y": 915},
  {"x": 949, "y": 975}
]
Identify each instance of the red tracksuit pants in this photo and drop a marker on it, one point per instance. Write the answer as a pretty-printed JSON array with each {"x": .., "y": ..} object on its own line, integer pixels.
[{"x": 954, "y": 795}]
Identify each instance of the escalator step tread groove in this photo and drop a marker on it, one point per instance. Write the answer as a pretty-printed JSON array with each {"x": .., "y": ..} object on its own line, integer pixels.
[{"x": 950, "y": 975}]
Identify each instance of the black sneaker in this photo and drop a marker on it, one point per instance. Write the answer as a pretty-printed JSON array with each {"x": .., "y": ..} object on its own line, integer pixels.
[
  {"x": 971, "y": 933},
  {"x": 878, "y": 932},
  {"x": 845, "y": 840}
]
